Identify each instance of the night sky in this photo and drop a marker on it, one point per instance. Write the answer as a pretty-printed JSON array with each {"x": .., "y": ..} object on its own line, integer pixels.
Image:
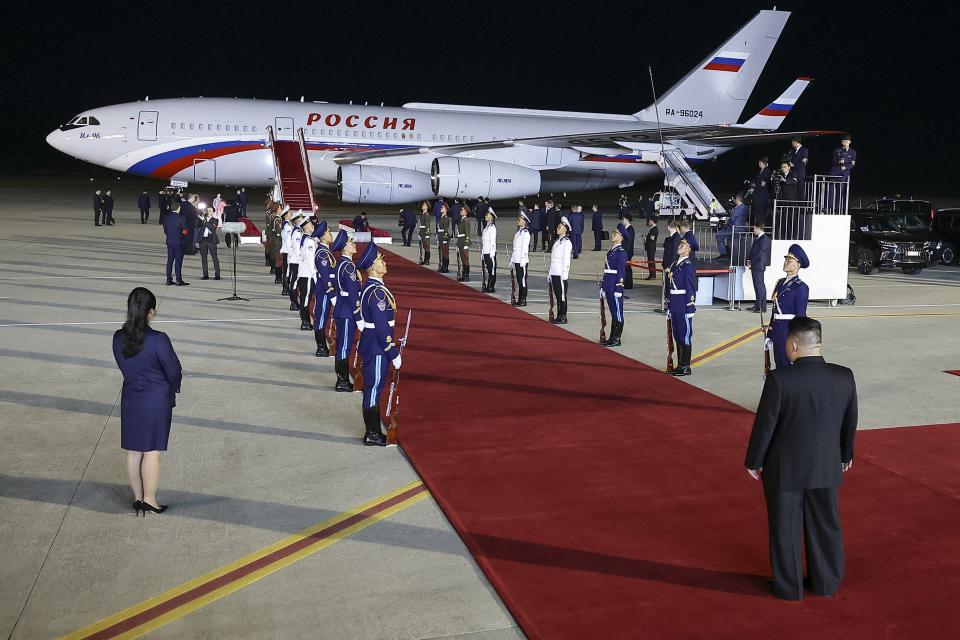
[{"x": 885, "y": 71}]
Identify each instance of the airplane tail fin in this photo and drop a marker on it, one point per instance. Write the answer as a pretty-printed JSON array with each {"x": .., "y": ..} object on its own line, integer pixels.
[
  {"x": 772, "y": 116},
  {"x": 716, "y": 90}
]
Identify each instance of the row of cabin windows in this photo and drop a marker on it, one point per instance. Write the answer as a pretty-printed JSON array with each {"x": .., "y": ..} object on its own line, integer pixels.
[
  {"x": 209, "y": 127},
  {"x": 323, "y": 132}
]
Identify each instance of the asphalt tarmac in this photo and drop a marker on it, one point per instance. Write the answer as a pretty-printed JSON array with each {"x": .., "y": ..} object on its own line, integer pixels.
[{"x": 245, "y": 469}]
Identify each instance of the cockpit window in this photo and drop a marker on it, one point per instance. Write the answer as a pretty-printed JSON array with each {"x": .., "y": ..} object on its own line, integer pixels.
[{"x": 79, "y": 121}]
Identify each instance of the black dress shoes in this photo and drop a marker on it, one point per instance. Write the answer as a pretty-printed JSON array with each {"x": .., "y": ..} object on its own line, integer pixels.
[
  {"x": 171, "y": 283},
  {"x": 183, "y": 284},
  {"x": 374, "y": 440},
  {"x": 205, "y": 278},
  {"x": 681, "y": 371}
]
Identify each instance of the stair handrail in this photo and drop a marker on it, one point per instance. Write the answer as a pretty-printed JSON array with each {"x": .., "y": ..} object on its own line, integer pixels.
[{"x": 306, "y": 166}]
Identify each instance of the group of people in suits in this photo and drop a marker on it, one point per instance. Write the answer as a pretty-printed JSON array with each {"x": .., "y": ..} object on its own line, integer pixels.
[
  {"x": 322, "y": 275},
  {"x": 103, "y": 208}
]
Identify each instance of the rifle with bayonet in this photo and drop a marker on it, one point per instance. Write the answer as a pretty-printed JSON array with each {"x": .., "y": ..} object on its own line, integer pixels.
[{"x": 393, "y": 399}]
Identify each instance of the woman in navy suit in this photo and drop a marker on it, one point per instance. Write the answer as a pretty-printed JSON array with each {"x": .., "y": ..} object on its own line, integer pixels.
[{"x": 151, "y": 380}]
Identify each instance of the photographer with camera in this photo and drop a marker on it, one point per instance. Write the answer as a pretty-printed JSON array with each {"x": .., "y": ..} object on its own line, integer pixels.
[
  {"x": 784, "y": 183},
  {"x": 738, "y": 221}
]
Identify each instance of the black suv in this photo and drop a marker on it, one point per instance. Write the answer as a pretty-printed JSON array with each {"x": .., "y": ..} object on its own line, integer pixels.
[
  {"x": 904, "y": 205},
  {"x": 946, "y": 226},
  {"x": 876, "y": 240}
]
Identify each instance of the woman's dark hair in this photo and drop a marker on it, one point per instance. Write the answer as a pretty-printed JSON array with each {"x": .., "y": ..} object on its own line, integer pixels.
[{"x": 139, "y": 304}]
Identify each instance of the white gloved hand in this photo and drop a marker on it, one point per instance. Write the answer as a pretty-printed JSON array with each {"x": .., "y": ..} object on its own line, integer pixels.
[
  {"x": 396, "y": 362},
  {"x": 603, "y": 294}
]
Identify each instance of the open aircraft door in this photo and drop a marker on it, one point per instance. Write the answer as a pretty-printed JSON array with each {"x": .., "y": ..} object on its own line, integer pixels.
[
  {"x": 204, "y": 170},
  {"x": 147, "y": 125},
  {"x": 284, "y": 129}
]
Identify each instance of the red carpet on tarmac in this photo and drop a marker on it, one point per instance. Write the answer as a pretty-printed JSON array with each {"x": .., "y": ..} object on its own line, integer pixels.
[{"x": 604, "y": 499}]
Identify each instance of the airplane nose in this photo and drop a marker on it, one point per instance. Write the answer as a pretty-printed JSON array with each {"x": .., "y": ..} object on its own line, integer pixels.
[{"x": 55, "y": 139}]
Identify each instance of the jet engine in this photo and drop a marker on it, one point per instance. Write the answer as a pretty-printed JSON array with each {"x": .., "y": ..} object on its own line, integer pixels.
[
  {"x": 453, "y": 177},
  {"x": 381, "y": 185}
]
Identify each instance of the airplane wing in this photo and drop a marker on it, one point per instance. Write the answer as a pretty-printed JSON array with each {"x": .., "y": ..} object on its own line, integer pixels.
[
  {"x": 730, "y": 139},
  {"x": 598, "y": 139}
]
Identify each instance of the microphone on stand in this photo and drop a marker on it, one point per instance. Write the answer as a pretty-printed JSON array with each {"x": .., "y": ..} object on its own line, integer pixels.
[{"x": 235, "y": 228}]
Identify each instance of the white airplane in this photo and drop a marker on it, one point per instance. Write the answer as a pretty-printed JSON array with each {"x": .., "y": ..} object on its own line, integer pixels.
[{"x": 398, "y": 155}]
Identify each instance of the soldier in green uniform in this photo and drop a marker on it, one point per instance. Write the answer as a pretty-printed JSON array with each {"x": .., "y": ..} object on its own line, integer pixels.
[
  {"x": 443, "y": 240},
  {"x": 424, "y": 224},
  {"x": 463, "y": 245}
]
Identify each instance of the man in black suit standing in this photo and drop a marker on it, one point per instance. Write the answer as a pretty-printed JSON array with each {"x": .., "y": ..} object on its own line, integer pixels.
[
  {"x": 757, "y": 263},
  {"x": 175, "y": 228},
  {"x": 208, "y": 244},
  {"x": 801, "y": 444}
]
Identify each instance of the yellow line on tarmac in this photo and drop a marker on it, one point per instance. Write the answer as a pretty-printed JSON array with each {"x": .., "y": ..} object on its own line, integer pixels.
[{"x": 176, "y": 603}]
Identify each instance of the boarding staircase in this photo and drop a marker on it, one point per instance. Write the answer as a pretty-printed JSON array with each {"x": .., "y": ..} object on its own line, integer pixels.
[
  {"x": 292, "y": 169},
  {"x": 692, "y": 190}
]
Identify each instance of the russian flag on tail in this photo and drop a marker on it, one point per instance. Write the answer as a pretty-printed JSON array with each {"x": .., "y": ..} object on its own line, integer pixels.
[
  {"x": 727, "y": 61},
  {"x": 781, "y": 108}
]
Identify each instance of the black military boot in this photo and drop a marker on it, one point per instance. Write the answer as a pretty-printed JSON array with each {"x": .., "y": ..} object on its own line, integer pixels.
[
  {"x": 683, "y": 362},
  {"x": 343, "y": 376},
  {"x": 614, "y": 339},
  {"x": 374, "y": 434},
  {"x": 322, "y": 350}
]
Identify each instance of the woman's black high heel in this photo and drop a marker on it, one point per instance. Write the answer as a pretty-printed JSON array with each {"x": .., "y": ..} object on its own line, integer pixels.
[
  {"x": 137, "y": 506},
  {"x": 146, "y": 506}
]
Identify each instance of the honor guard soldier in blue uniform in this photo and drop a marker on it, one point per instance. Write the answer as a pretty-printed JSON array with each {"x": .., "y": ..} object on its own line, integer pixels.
[
  {"x": 306, "y": 274},
  {"x": 520, "y": 257},
  {"x": 378, "y": 348},
  {"x": 612, "y": 287},
  {"x": 681, "y": 305},
  {"x": 325, "y": 290},
  {"x": 346, "y": 313},
  {"x": 790, "y": 298},
  {"x": 798, "y": 157}
]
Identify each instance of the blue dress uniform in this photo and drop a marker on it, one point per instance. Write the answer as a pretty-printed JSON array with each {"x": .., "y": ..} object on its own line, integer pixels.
[
  {"x": 346, "y": 313},
  {"x": 612, "y": 287},
  {"x": 798, "y": 166},
  {"x": 681, "y": 307},
  {"x": 790, "y": 298},
  {"x": 761, "y": 196},
  {"x": 843, "y": 162},
  {"x": 377, "y": 345},
  {"x": 324, "y": 291}
]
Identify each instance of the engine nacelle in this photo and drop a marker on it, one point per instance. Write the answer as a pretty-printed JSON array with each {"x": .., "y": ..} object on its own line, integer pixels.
[
  {"x": 381, "y": 185},
  {"x": 453, "y": 177}
]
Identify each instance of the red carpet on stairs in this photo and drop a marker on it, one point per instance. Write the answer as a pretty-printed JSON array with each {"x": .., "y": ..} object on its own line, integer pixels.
[{"x": 604, "y": 499}]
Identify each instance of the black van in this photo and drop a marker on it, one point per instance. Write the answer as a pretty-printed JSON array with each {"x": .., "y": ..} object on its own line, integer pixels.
[{"x": 946, "y": 226}]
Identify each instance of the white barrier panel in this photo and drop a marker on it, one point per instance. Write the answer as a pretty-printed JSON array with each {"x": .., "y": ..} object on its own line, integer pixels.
[
  {"x": 828, "y": 251},
  {"x": 365, "y": 236}
]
